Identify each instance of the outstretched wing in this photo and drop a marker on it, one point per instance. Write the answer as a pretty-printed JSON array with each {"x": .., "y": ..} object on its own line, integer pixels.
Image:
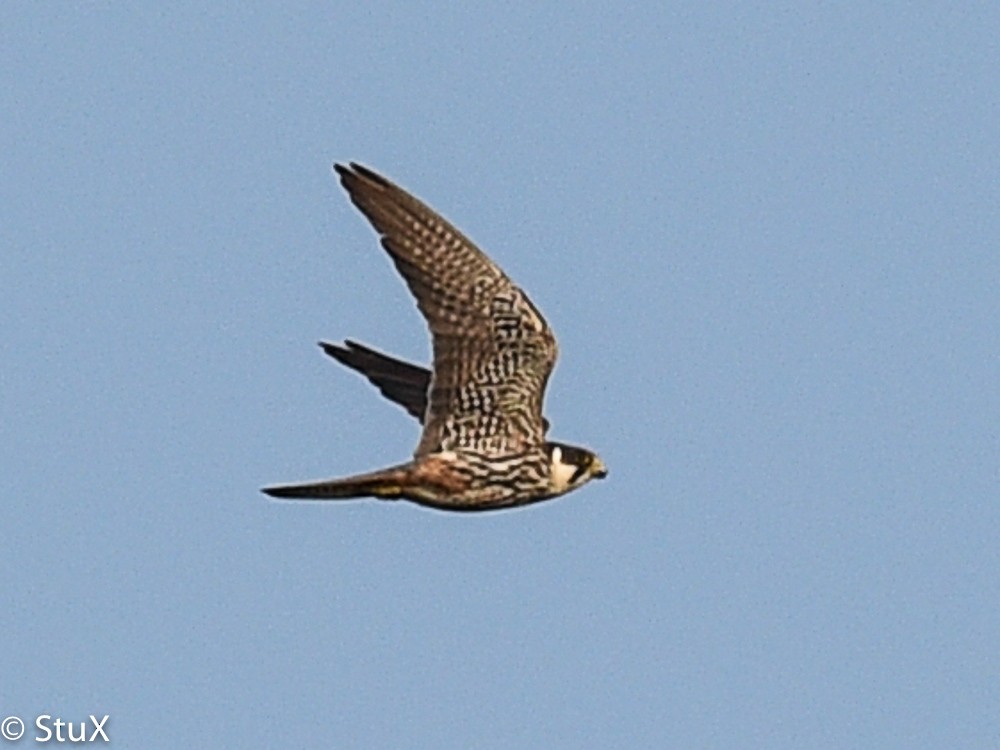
[
  {"x": 493, "y": 351},
  {"x": 398, "y": 381}
]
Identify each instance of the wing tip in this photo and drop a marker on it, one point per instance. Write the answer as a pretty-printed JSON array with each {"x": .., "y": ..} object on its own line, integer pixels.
[
  {"x": 353, "y": 173},
  {"x": 345, "y": 351}
]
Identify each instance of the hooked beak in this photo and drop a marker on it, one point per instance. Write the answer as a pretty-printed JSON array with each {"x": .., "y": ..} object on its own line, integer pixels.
[{"x": 597, "y": 469}]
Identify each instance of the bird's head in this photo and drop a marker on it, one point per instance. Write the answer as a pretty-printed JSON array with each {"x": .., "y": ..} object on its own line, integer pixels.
[{"x": 571, "y": 467}]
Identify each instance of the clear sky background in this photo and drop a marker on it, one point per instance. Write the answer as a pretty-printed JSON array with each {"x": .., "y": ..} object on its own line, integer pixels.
[{"x": 768, "y": 238}]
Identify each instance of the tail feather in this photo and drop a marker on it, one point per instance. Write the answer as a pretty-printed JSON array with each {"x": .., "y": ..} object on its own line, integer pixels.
[{"x": 387, "y": 484}]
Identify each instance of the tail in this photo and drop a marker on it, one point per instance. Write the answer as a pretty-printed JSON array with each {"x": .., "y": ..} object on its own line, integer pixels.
[{"x": 386, "y": 483}]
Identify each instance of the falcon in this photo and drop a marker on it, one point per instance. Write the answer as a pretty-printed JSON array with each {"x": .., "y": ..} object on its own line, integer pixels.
[{"x": 483, "y": 445}]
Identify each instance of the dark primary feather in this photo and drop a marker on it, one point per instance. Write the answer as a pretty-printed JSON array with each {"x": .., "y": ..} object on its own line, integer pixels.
[
  {"x": 398, "y": 381},
  {"x": 402, "y": 383}
]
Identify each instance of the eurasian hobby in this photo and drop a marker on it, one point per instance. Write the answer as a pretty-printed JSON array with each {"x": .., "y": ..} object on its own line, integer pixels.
[{"x": 483, "y": 444}]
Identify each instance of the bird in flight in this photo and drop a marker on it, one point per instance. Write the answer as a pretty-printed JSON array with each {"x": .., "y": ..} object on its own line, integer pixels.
[{"x": 483, "y": 443}]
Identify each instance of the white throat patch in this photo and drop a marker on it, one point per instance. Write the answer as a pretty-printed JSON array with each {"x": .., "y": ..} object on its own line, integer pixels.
[{"x": 561, "y": 472}]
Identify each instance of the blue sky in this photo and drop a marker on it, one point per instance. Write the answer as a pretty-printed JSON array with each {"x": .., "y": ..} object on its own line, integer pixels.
[{"x": 767, "y": 238}]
